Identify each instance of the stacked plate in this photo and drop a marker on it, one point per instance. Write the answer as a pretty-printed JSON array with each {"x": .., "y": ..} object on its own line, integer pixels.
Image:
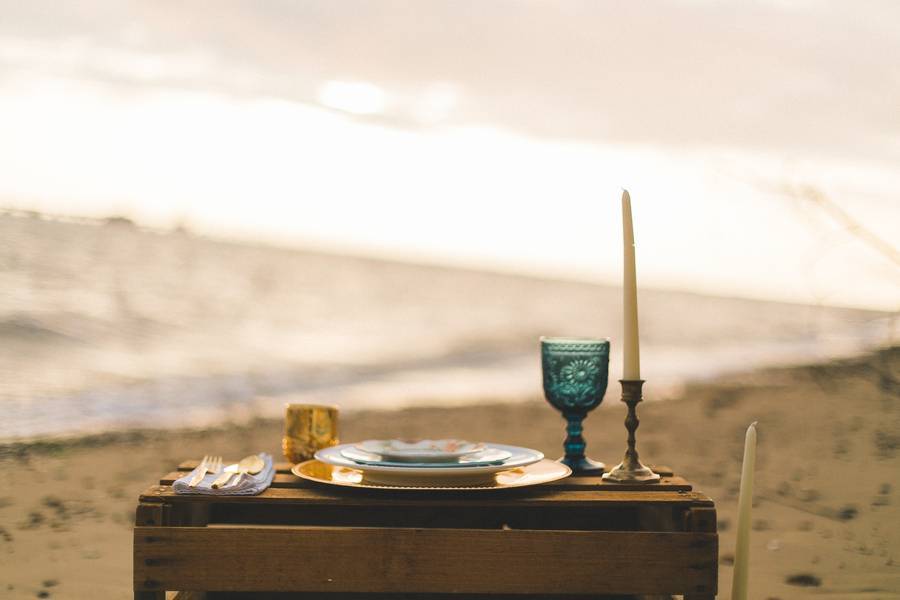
[{"x": 428, "y": 463}]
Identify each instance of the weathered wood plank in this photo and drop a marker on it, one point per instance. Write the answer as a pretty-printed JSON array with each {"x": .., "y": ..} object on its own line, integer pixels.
[
  {"x": 284, "y": 467},
  {"x": 524, "y": 497},
  {"x": 586, "y": 518},
  {"x": 150, "y": 514},
  {"x": 668, "y": 484},
  {"x": 387, "y": 560},
  {"x": 702, "y": 518},
  {"x": 395, "y": 596}
]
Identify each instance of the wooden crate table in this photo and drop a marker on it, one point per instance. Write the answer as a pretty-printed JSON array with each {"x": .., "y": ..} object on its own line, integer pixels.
[{"x": 579, "y": 537}]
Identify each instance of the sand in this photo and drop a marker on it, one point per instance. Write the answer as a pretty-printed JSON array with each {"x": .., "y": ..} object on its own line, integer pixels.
[{"x": 826, "y": 517}]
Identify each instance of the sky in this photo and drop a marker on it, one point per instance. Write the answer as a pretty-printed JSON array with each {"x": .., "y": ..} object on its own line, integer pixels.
[{"x": 493, "y": 135}]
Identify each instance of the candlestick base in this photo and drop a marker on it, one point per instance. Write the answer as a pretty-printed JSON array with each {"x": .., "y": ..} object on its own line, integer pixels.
[
  {"x": 626, "y": 474},
  {"x": 630, "y": 470}
]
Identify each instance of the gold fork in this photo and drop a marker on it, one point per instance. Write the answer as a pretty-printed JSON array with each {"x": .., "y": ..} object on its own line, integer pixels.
[{"x": 209, "y": 464}]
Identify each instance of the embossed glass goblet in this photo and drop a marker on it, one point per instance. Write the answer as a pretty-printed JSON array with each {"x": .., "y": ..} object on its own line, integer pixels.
[{"x": 576, "y": 372}]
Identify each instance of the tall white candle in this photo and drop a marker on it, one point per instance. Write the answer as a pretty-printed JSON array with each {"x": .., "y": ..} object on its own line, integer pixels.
[
  {"x": 742, "y": 546},
  {"x": 630, "y": 344}
]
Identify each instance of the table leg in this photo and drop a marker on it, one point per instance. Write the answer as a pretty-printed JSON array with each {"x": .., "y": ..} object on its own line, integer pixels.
[
  {"x": 155, "y": 513},
  {"x": 701, "y": 519}
]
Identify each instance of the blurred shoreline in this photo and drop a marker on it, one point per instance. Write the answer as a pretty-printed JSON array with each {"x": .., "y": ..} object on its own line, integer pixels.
[{"x": 108, "y": 326}]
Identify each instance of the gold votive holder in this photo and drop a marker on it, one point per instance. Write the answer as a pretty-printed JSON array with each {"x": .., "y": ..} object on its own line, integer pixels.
[{"x": 307, "y": 429}]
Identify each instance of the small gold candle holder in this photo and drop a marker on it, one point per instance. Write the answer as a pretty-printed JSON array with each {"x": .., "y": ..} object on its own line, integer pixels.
[
  {"x": 630, "y": 470},
  {"x": 307, "y": 429}
]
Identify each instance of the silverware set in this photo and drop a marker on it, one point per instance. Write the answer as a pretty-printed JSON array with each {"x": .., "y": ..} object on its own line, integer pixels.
[{"x": 252, "y": 465}]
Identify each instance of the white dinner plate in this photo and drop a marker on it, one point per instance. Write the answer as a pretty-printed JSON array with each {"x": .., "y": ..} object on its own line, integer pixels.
[
  {"x": 413, "y": 474},
  {"x": 540, "y": 472}
]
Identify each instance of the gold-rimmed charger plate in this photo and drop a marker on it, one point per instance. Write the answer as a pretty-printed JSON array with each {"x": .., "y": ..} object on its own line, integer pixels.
[{"x": 544, "y": 471}]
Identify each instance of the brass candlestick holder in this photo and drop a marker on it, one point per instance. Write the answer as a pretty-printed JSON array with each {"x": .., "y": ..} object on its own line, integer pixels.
[{"x": 630, "y": 470}]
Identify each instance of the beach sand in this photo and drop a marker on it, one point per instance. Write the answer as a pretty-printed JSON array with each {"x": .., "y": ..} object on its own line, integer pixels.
[{"x": 826, "y": 516}]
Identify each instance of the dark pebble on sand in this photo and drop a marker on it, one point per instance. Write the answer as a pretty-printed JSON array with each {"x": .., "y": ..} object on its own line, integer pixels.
[
  {"x": 723, "y": 524},
  {"x": 803, "y": 580},
  {"x": 48, "y": 583},
  {"x": 809, "y": 495},
  {"x": 55, "y": 504},
  {"x": 887, "y": 443},
  {"x": 884, "y": 489},
  {"x": 5, "y": 535},
  {"x": 848, "y": 513},
  {"x": 43, "y": 594},
  {"x": 727, "y": 559},
  {"x": 34, "y": 520}
]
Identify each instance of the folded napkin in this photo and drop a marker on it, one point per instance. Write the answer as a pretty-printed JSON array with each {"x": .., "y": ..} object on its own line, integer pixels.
[{"x": 244, "y": 484}]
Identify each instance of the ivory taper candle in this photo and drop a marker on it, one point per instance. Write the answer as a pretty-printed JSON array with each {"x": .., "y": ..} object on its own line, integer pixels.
[
  {"x": 742, "y": 546},
  {"x": 630, "y": 343}
]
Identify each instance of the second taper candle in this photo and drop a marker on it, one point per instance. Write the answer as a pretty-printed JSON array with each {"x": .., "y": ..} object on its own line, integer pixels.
[{"x": 630, "y": 343}]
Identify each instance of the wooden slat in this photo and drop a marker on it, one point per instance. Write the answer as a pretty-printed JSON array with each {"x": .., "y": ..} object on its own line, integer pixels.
[
  {"x": 318, "y": 495},
  {"x": 669, "y": 484},
  {"x": 701, "y": 518},
  {"x": 386, "y": 560},
  {"x": 395, "y": 596},
  {"x": 284, "y": 467},
  {"x": 587, "y": 518},
  {"x": 150, "y": 514}
]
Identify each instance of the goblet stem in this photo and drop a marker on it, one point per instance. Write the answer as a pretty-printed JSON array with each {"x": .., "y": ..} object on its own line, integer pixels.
[{"x": 574, "y": 444}]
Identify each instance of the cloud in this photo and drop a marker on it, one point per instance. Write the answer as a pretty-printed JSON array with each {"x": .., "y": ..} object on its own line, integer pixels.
[{"x": 788, "y": 77}]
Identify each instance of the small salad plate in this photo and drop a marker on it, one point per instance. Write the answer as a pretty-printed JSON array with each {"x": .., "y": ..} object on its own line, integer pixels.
[
  {"x": 421, "y": 451},
  {"x": 487, "y": 456}
]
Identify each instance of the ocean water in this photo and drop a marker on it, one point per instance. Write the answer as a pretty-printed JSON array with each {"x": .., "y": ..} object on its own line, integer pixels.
[{"x": 105, "y": 326}]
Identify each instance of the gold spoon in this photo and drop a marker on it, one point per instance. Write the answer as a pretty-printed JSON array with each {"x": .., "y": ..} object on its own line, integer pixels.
[{"x": 252, "y": 464}]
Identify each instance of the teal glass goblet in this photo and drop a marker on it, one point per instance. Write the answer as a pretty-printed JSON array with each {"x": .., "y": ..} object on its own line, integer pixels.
[{"x": 576, "y": 373}]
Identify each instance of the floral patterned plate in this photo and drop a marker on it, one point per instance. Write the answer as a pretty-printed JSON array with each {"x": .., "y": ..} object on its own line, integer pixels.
[
  {"x": 486, "y": 456},
  {"x": 449, "y": 450}
]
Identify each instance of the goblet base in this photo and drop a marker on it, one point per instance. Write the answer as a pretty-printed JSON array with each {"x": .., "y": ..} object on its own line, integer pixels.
[{"x": 583, "y": 465}]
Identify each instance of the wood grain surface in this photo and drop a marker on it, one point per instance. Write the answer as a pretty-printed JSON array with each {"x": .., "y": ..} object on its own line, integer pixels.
[{"x": 385, "y": 560}]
